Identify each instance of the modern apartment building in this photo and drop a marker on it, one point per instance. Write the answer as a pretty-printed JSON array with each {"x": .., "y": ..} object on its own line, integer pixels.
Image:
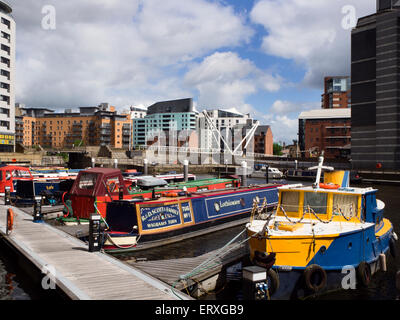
[
  {"x": 7, "y": 79},
  {"x": 89, "y": 126},
  {"x": 228, "y": 123},
  {"x": 337, "y": 93},
  {"x": 137, "y": 112},
  {"x": 327, "y": 130},
  {"x": 166, "y": 116},
  {"x": 375, "y": 73}
]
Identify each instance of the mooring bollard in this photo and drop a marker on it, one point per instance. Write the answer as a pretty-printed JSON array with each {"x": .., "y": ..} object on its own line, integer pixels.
[
  {"x": 186, "y": 170},
  {"x": 145, "y": 167},
  {"x": 244, "y": 173},
  {"x": 37, "y": 210},
  {"x": 7, "y": 196},
  {"x": 254, "y": 283},
  {"x": 94, "y": 233}
]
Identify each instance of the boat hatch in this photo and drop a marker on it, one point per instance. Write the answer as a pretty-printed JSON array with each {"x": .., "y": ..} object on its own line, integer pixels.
[{"x": 150, "y": 182}]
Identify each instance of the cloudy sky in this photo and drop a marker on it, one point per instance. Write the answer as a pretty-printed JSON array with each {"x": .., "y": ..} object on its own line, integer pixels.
[{"x": 265, "y": 57}]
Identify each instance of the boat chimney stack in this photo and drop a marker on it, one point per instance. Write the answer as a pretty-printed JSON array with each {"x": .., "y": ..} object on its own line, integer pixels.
[
  {"x": 145, "y": 167},
  {"x": 244, "y": 173},
  {"x": 186, "y": 170}
]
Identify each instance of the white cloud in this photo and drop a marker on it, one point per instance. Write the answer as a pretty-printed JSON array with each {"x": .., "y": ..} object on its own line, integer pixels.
[
  {"x": 223, "y": 79},
  {"x": 286, "y": 107},
  {"x": 310, "y": 32},
  {"x": 123, "y": 52}
]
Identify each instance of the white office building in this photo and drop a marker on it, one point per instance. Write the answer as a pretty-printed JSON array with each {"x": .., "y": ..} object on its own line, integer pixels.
[{"x": 7, "y": 79}]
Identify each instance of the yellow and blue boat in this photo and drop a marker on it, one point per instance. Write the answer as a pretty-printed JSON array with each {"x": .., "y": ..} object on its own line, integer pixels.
[{"x": 322, "y": 237}]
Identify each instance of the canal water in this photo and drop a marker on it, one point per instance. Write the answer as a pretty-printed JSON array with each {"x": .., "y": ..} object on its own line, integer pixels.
[{"x": 16, "y": 285}]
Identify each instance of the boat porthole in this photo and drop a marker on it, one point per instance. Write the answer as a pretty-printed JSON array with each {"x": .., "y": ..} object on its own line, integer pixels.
[
  {"x": 350, "y": 246},
  {"x": 242, "y": 202},
  {"x": 322, "y": 249},
  {"x": 217, "y": 207}
]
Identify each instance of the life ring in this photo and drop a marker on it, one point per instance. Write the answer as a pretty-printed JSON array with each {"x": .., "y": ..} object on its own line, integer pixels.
[
  {"x": 170, "y": 194},
  {"x": 364, "y": 274},
  {"x": 315, "y": 277},
  {"x": 392, "y": 247},
  {"x": 10, "y": 220},
  {"x": 272, "y": 281},
  {"x": 264, "y": 260},
  {"x": 329, "y": 186},
  {"x": 111, "y": 186}
]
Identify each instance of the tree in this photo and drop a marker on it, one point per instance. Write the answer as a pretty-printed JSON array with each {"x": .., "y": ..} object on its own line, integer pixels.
[{"x": 277, "y": 149}]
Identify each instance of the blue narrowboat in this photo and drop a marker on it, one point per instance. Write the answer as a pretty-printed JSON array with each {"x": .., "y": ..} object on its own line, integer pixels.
[{"x": 137, "y": 224}]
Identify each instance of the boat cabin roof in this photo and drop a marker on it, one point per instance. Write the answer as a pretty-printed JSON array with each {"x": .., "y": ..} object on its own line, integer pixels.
[
  {"x": 10, "y": 168},
  {"x": 344, "y": 190},
  {"x": 98, "y": 182}
]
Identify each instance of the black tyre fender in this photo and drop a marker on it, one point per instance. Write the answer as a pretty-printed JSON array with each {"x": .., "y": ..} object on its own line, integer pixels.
[
  {"x": 364, "y": 274},
  {"x": 309, "y": 276},
  {"x": 273, "y": 281},
  {"x": 392, "y": 247},
  {"x": 262, "y": 259}
]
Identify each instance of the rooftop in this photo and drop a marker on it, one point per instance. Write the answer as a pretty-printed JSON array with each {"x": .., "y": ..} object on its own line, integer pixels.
[
  {"x": 5, "y": 7},
  {"x": 326, "y": 114}
]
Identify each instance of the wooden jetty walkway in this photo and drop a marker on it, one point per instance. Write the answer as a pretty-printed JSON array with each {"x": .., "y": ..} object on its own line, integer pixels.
[
  {"x": 81, "y": 275},
  {"x": 183, "y": 273}
]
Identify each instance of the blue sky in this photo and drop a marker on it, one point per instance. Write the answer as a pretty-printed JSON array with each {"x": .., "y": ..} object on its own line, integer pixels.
[{"x": 266, "y": 57}]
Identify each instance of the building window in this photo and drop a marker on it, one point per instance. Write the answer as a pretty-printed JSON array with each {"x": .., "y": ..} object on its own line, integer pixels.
[{"x": 6, "y": 22}]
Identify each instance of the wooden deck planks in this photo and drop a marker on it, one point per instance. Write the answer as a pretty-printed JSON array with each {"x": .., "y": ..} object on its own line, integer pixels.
[
  {"x": 82, "y": 275},
  {"x": 169, "y": 271}
]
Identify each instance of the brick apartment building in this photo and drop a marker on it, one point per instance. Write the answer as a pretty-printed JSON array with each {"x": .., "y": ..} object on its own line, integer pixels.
[
  {"x": 327, "y": 130},
  {"x": 264, "y": 141},
  {"x": 91, "y": 126},
  {"x": 337, "y": 93}
]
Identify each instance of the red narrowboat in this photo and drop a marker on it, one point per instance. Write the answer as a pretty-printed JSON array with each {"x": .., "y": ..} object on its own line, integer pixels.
[
  {"x": 9, "y": 175},
  {"x": 94, "y": 188}
]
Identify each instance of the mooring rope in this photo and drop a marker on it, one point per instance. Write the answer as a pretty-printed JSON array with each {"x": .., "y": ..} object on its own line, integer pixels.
[{"x": 209, "y": 263}]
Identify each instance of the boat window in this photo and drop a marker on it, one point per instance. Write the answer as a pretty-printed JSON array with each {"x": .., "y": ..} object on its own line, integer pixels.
[
  {"x": 8, "y": 175},
  {"x": 316, "y": 201},
  {"x": 290, "y": 201},
  {"x": 346, "y": 204},
  {"x": 20, "y": 174},
  {"x": 87, "y": 181}
]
